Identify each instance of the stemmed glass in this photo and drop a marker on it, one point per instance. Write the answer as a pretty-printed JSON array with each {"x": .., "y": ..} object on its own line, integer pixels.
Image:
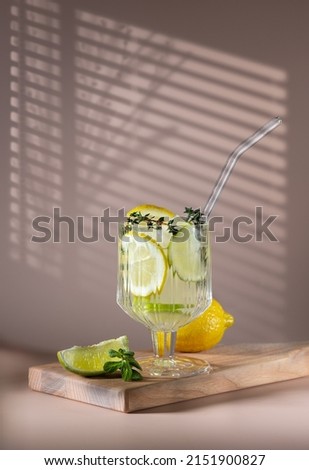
[{"x": 164, "y": 283}]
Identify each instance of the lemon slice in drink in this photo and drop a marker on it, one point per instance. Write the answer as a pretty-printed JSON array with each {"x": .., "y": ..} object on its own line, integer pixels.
[
  {"x": 89, "y": 360},
  {"x": 187, "y": 254},
  {"x": 161, "y": 236},
  {"x": 146, "y": 263}
]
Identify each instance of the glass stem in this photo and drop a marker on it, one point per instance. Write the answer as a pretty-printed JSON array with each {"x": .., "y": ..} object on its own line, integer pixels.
[{"x": 164, "y": 344}]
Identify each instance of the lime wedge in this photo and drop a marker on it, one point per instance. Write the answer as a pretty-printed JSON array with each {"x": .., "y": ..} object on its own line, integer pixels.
[
  {"x": 146, "y": 264},
  {"x": 90, "y": 360},
  {"x": 187, "y": 255}
]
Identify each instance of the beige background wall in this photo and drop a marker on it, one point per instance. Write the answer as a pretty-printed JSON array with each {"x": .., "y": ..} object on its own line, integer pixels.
[{"x": 115, "y": 103}]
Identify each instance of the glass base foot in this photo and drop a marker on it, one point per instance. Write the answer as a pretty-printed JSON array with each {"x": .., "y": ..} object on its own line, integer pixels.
[{"x": 178, "y": 366}]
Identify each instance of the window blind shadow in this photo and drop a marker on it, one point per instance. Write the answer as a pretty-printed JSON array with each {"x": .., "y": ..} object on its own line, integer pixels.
[{"x": 154, "y": 119}]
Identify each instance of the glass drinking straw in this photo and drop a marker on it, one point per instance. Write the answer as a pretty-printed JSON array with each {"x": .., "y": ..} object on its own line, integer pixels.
[
  {"x": 164, "y": 363},
  {"x": 233, "y": 158}
]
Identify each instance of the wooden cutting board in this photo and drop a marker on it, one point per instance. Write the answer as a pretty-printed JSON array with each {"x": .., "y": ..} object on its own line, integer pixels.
[{"x": 234, "y": 367}]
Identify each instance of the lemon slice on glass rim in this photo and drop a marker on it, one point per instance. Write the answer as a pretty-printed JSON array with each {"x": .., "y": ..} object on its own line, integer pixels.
[{"x": 161, "y": 236}]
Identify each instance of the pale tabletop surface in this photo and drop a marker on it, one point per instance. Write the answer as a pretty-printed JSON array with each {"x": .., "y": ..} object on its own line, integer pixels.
[{"x": 268, "y": 417}]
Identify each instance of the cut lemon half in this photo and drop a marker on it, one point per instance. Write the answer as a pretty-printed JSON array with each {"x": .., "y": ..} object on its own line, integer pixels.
[
  {"x": 187, "y": 254},
  {"x": 161, "y": 236},
  {"x": 145, "y": 262},
  {"x": 89, "y": 360}
]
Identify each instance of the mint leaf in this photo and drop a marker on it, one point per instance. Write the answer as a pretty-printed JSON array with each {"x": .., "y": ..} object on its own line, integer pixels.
[{"x": 127, "y": 365}]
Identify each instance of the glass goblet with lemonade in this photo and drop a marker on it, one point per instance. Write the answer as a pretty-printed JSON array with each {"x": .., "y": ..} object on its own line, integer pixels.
[{"x": 164, "y": 281}]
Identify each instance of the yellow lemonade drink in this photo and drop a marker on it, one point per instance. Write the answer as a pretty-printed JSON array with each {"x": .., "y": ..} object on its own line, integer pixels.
[
  {"x": 164, "y": 286},
  {"x": 164, "y": 281}
]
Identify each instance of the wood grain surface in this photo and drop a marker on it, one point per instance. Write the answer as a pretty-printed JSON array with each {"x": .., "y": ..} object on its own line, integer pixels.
[{"x": 234, "y": 367}]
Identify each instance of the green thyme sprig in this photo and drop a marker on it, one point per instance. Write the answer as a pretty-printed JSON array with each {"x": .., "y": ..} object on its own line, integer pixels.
[
  {"x": 172, "y": 227},
  {"x": 127, "y": 365},
  {"x": 194, "y": 216},
  {"x": 137, "y": 217}
]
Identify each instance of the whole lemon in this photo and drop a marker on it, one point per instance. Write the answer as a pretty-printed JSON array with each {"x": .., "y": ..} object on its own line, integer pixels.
[{"x": 205, "y": 331}]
